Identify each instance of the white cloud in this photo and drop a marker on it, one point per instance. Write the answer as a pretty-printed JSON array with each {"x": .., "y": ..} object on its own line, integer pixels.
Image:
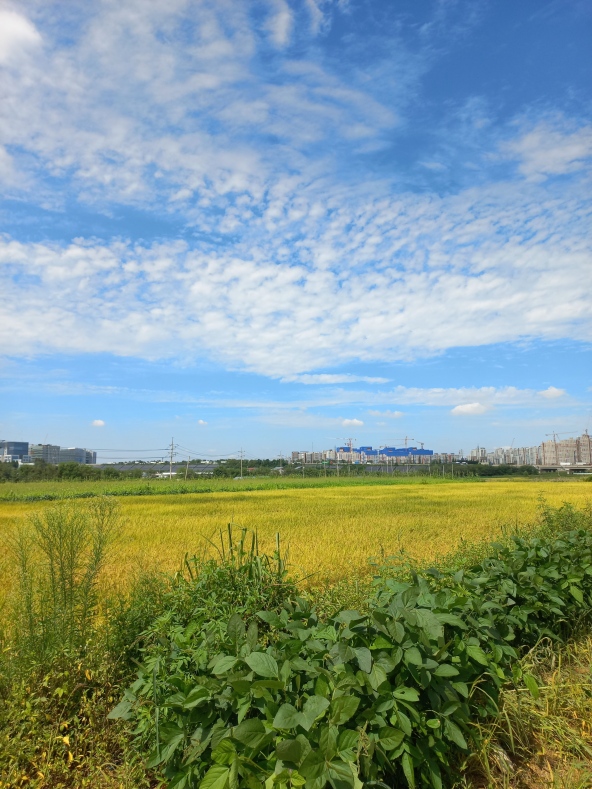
[
  {"x": 316, "y": 15},
  {"x": 294, "y": 267},
  {"x": 98, "y": 423},
  {"x": 389, "y": 414},
  {"x": 279, "y": 24},
  {"x": 250, "y": 305},
  {"x": 552, "y": 393},
  {"x": 352, "y": 423},
  {"x": 201, "y": 422},
  {"x": 337, "y": 378},
  {"x": 469, "y": 409},
  {"x": 548, "y": 149},
  {"x": 17, "y": 36}
]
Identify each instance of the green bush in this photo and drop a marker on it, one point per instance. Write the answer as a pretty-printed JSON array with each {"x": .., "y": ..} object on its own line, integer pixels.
[
  {"x": 370, "y": 698},
  {"x": 201, "y": 596}
]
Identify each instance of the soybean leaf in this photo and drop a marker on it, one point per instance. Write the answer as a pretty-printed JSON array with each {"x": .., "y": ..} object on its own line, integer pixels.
[
  {"x": 407, "y": 765},
  {"x": 413, "y": 656},
  {"x": 271, "y": 618},
  {"x": 328, "y": 741},
  {"x": 289, "y": 751},
  {"x": 576, "y": 593},
  {"x": 262, "y": 663},
  {"x": 196, "y": 696},
  {"x": 364, "y": 657},
  {"x": 250, "y": 733},
  {"x": 403, "y": 721},
  {"x": 477, "y": 654},
  {"x": 377, "y": 676},
  {"x": 224, "y": 752},
  {"x": 347, "y": 739},
  {"x": 446, "y": 670},
  {"x": 453, "y": 733},
  {"x": 215, "y": 778},
  {"x": 171, "y": 737},
  {"x": 396, "y": 630},
  {"x": 342, "y": 709},
  {"x": 341, "y": 775},
  {"x": 449, "y": 707},
  {"x": 224, "y": 664},
  {"x": 435, "y": 775},
  {"x": 314, "y": 707},
  {"x": 304, "y": 745},
  {"x": 390, "y": 738},
  {"x": 462, "y": 688},
  {"x": 314, "y": 766},
  {"x": 429, "y": 623},
  {"x": 451, "y": 619},
  {"x": 406, "y": 694},
  {"x": 287, "y": 717}
]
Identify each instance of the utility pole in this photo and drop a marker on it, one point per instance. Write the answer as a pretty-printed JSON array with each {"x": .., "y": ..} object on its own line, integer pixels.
[
  {"x": 186, "y": 469},
  {"x": 241, "y": 462},
  {"x": 171, "y": 459}
]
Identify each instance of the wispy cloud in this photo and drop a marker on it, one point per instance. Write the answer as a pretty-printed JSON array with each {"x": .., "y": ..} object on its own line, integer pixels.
[
  {"x": 551, "y": 149},
  {"x": 332, "y": 378},
  {"x": 300, "y": 255},
  {"x": 280, "y": 22}
]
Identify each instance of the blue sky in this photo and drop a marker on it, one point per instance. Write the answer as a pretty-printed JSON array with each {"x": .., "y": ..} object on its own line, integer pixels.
[{"x": 279, "y": 224}]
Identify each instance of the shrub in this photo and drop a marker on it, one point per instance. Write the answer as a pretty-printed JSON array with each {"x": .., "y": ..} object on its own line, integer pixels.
[{"x": 383, "y": 696}]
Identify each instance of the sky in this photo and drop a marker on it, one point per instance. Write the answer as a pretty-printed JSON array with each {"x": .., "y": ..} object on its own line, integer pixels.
[{"x": 274, "y": 225}]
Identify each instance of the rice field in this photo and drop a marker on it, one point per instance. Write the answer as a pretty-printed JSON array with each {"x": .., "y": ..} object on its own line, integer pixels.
[{"x": 331, "y": 531}]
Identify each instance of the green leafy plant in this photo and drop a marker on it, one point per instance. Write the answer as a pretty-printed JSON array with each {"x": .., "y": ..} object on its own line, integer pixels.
[{"x": 361, "y": 698}]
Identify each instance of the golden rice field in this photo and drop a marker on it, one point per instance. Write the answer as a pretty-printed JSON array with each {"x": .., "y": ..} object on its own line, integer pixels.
[{"x": 331, "y": 531}]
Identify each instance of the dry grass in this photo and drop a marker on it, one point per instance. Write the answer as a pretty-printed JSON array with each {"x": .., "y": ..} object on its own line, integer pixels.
[
  {"x": 331, "y": 531},
  {"x": 543, "y": 742}
]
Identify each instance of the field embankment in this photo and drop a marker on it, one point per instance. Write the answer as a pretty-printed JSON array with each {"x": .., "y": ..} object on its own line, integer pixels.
[{"x": 332, "y": 529}]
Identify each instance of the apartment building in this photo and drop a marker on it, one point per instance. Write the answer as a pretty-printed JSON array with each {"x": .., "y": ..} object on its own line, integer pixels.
[{"x": 567, "y": 452}]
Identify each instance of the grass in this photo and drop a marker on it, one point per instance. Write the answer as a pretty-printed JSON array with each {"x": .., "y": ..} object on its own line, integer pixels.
[
  {"x": 333, "y": 529},
  {"x": 544, "y": 741},
  {"x": 64, "y": 489}
]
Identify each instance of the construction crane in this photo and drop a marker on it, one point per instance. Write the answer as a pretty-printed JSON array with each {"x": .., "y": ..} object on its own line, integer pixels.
[
  {"x": 567, "y": 433},
  {"x": 405, "y": 439}
]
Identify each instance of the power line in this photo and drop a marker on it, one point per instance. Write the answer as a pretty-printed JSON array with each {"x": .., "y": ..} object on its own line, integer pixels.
[{"x": 117, "y": 449}]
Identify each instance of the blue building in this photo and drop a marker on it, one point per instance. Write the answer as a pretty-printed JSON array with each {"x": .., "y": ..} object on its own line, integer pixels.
[{"x": 14, "y": 450}]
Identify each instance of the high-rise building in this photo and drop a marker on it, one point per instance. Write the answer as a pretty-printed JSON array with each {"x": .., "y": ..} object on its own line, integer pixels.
[
  {"x": 77, "y": 455},
  {"x": 14, "y": 450},
  {"x": 568, "y": 452},
  {"x": 50, "y": 453}
]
